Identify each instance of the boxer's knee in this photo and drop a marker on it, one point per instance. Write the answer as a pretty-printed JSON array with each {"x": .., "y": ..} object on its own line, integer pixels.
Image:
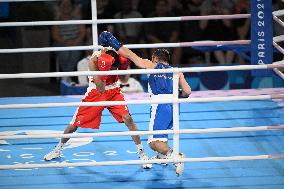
[
  {"x": 127, "y": 119},
  {"x": 129, "y": 122},
  {"x": 159, "y": 146}
]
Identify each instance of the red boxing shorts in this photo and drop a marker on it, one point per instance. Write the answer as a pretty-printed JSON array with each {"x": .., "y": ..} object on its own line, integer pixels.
[{"x": 90, "y": 116}]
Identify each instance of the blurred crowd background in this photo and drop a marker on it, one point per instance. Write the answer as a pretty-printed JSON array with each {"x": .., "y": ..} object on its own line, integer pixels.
[{"x": 152, "y": 32}]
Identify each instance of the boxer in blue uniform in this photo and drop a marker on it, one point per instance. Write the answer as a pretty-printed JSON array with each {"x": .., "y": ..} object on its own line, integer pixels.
[{"x": 161, "y": 87}]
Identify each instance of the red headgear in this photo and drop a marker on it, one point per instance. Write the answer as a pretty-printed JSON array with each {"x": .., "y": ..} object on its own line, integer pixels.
[{"x": 105, "y": 61}]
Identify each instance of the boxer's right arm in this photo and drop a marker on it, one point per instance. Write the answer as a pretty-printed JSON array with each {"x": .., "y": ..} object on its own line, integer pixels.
[{"x": 93, "y": 66}]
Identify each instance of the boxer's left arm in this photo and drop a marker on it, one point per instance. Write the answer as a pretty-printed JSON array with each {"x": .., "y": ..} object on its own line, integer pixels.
[
  {"x": 138, "y": 61},
  {"x": 185, "y": 88},
  {"x": 93, "y": 66},
  {"x": 107, "y": 39}
]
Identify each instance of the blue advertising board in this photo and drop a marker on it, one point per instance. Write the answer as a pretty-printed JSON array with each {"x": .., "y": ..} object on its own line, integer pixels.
[{"x": 261, "y": 35}]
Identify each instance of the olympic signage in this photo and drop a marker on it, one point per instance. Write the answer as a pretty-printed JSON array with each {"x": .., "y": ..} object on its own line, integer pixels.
[{"x": 261, "y": 35}]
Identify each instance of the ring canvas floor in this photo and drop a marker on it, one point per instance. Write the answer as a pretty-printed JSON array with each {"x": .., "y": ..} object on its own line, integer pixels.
[{"x": 257, "y": 174}]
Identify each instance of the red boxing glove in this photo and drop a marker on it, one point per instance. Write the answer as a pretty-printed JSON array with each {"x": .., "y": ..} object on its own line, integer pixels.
[
  {"x": 104, "y": 64},
  {"x": 124, "y": 63}
]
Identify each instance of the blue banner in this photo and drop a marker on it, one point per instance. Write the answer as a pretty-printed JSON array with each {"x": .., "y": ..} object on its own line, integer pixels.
[
  {"x": 261, "y": 35},
  {"x": 4, "y": 9}
]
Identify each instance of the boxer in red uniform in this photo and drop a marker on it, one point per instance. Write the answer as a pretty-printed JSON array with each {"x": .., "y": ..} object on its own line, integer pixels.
[{"x": 102, "y": 88}]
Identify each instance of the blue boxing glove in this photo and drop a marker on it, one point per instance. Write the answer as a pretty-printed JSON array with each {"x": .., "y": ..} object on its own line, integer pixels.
[
  {"x": 107, "y": 39},
  {"x": 103, "y": 39},
  {"x": 114, "y": 43}
]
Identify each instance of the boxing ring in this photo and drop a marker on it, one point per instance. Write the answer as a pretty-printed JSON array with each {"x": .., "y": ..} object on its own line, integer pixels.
[{"x": 231, "y": 139}]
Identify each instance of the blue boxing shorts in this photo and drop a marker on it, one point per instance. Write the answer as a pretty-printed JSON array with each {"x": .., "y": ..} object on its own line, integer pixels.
[{"x": 161, "y": 119}]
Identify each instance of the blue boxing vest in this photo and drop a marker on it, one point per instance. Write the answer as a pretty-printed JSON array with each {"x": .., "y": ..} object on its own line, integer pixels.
[
  {"x": 161, "y": 83},
  {"x": 161, "y": 117}
]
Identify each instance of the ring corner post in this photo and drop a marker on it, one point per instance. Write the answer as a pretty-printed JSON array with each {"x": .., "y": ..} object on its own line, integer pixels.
[
  {"x": 175, "y": 113},
  {"x": 94, "y": 24}
]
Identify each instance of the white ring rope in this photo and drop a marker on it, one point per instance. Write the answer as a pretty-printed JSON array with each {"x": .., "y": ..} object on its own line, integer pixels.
[
  {"x": 275, "y": 16},
  {"x": 25, "y": 0},
  {"x": 130, "y": 133},
  {"x": 131, "y": 46},
  {"x": 141, "y": 71},
  {"x": 278, "y": 20},
  {"x": 278, "y": 38},
  {"x": 160, "y": 101},
  {"x": 279, "y": 62},
  {"x": 278, "y": 13},
  {"x": 133, "y": 162},
  {"x": 278, "y": 47},
  {"x": 277, "y": 71},
  {"x": 125, "y": 20}
]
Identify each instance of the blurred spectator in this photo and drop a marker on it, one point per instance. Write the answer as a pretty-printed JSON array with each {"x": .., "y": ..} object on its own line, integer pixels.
[
  {"x": 242, "y": 25},
  {"x": 135, "y": 4},
  {"x": 68, "y": 35},
  {"x": 164, "y": 32},
  {"x": 31, "y": 11},
  {"x": 113, "y": 6},
  {"x": 146, "y": 7},
  {"x": 129, "y": 32},
  {"x": 104, "y": 12},
  {"x": 192, "y": 32},
  {"x": 86, "y": 8},
  {"x": 215, "y": 29},
  {"x": 176, "y": 7},
  {"x": 129, "y": 84},
  {"x": 83, "y": 64}
]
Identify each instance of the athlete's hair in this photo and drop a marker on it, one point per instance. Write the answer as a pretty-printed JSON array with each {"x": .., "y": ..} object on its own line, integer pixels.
[
  {"x": 162, "y": 55},
  {"x": 115, "y": 56}
]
